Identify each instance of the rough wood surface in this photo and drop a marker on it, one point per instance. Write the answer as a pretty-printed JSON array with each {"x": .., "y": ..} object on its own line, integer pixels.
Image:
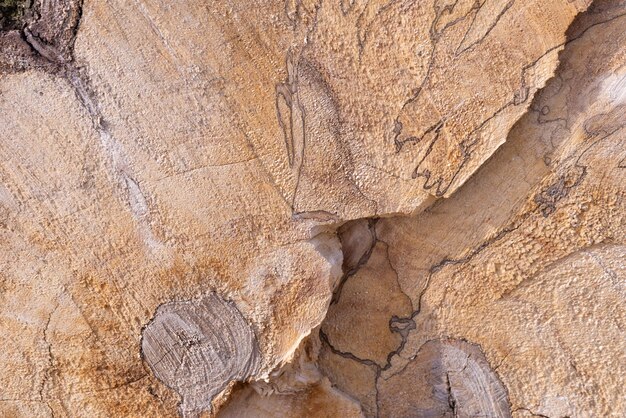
[
  {"x": 526, "y": 259},
  {"x": 447, "y": 378},
  {"x": 301, "y": 207},
  {"x": 198, "y": 347}
]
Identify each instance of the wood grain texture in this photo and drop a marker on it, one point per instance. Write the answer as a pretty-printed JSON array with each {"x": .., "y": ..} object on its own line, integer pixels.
[
  {"x": 526, "y": 259},
  {"x": 447, "y": 378},
  {"x": 355, "y": 178},
  {"x": 198, "y": 347}
]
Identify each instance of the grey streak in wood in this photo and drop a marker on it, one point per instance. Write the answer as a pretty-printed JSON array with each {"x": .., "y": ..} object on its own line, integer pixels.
[
  {"x": 198, "y": 347},
  {"x": 447, "y": 378}
]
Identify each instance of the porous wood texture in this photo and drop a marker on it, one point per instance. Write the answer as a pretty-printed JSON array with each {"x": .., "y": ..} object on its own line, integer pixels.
[
  {"x": 312, "y": 208},
  {"x": 526, "y": 259}
]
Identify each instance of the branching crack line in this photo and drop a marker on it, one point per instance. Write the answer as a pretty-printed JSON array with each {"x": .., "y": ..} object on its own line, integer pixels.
[
  {"x": 534, "y": 414},
  {"x": 362, "y": 261},
  {"x": 346, "y": 354},
  {"x": 451, "y": 399},
  {"x": 564, "y": 190},
  {"x": 470, "y": 140}
]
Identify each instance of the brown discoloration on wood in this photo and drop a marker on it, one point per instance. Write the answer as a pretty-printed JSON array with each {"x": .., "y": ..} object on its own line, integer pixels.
[
  {"x": 523, "y": 258},
  {"x": 146, "y": 158}
]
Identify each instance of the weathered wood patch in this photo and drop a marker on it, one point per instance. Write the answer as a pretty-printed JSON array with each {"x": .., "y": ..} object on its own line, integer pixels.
[
  {"x": 197, "y": 347},
  {"x": 447, "y": 378}
]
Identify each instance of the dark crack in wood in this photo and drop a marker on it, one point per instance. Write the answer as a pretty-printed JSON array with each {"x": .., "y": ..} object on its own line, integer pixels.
[{"x": 448, "y": 378}]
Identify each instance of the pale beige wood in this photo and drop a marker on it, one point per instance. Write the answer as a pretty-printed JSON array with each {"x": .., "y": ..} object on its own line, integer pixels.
[
  {"x": 526, "y": 259},
  {"x": 338, "y": 181}
]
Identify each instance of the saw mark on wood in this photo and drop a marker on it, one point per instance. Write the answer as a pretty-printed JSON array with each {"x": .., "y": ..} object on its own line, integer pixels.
[{"x": 197, "y": 347}]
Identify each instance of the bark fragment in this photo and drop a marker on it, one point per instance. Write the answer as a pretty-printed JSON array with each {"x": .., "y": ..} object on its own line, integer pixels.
[{"x": 37, "y": 33}]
